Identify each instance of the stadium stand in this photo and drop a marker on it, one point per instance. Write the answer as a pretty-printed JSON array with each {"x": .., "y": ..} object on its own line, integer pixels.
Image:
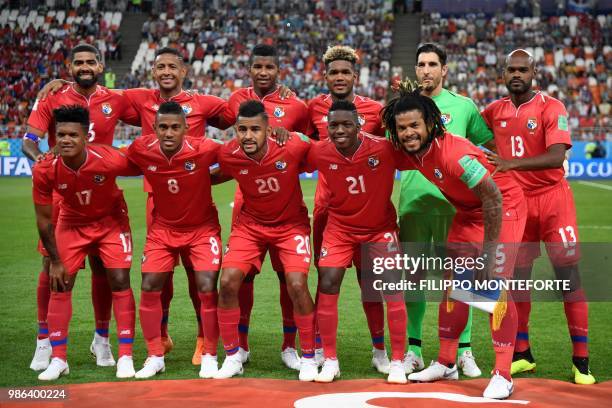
[{"x": 572, "y": 54}]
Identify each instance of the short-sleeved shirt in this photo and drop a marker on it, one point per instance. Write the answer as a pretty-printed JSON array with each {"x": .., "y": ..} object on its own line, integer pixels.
[
  {"x": 270, "y": 187},
  {"x": 181, "y": 185},
  {"x": 456, "y": 166},
  {"x": 528, "y": 131},
  {"x": 199, "y": 109},
  {"x": 461, "y": 117},
  {"x": 360, "y": 186},
  {"x": 106, "y": 108},
  {"x": 87, "y": 194},
  {"x": 368, "y": 110},
  {"x": 290, "y": 113}
]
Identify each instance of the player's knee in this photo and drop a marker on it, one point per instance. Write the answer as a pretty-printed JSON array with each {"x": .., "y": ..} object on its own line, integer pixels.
[
  {"x": 569, "y": 273},
  {"x": 206, "y": 281},
  {"x": 329, "y": 284},
  {"x": 229, "y": 285},
  {"x": 296, "y": 287},
  {"x": 152, "y": 282}
]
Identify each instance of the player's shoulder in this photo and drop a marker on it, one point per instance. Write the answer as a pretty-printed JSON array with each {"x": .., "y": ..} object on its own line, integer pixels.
[
  {"x": 144, "y": 142},
  {"x": 497, "y": 104},
  {"x": 45, "y": 165},
  {"x": 549, "y": 101},
  {"x": 459, "y": 99},
  {"x": 140, "y": 93},
  {"x": 230, "y": 148},
  {"x": 101, "y": 151},
  {"x": 363, "y": 102},
  {"x": 319, "y": 101}
]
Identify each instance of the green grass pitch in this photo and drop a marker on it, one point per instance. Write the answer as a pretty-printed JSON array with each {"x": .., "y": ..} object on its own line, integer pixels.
[{"x": 20, "y": 265}]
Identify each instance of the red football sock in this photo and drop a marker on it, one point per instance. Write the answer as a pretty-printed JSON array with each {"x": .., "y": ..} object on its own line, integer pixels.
[
  {"x": 208, "y": 313},
  {"x": 452, "y": 318},
  {"x": 397, "y": 320},
  {"x": 195, "y": 299},
  {"x": 503, "y": 340},
  {"x": 305, "y": 325},
  {"x": 375, "y": 315},
  {"x": 228, "y": 327},
  {"x": 60, "y": 312},
  {"x": 102, "y": 300},
  {"x": 125, "y": 315},
  {"x": 327, "y": 317},
  {"x": 289, "y": 324},
  {"x": 523, "y": 309},
  {"x": 318, "y": 344},
  {"x": 43, "y": 293},
  {"x": 150, "y": 312},
  {"x": 166, "y": 297},
  {"x": 245, "y": 299},
  {"x": 577, "y": 314}
]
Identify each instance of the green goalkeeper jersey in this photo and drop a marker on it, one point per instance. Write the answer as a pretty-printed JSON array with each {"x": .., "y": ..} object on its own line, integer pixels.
[{"x": 461, "y": 117}]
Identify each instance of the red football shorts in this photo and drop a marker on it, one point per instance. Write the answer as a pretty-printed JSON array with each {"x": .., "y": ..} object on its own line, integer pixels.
[
  {"x": 200, "y": 248},
  {"x": 340, "y": 249},
  {"x": 467, "y": 233},
  {"x": 551, "y": 218},
  {"x": 109, "y": 238},
  {"x": 249, "y": 242}
]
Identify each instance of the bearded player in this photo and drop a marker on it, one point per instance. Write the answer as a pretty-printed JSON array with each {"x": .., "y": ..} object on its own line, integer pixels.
[
  {"x": 340, "y": 75},
  {"x": 106, "y": 110},
  {"x": 286, "y": 114},
  {"x": 490, "y": 220},
  {"x": 532, "y": 135},
  {"x": 273, "y": 217},
  {"x": 92, "y": 219}
]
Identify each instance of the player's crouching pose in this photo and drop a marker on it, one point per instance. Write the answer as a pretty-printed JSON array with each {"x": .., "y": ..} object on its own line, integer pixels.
[
  {"x": 358, "y": 170},
  {"x": 92, "y": 219},
  {"x": 185, "y": 223},
  {"x": 490, "y": 209},
  {"x": 273, "y": 217}
]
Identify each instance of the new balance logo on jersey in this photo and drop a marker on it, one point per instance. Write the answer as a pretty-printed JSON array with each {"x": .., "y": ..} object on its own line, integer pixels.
[
  {"x": 503, "y": 124},
  {"x": 187, "y": 109},
  {"x": 107, "y": 109},
  {"x": 323, "y": 252},
  {"x": 244, "y": 171},
  {"x": 62, "y": 186},
  {"x": 307, "y": 259},
  {"x": 215, "y": 261},
  {"x": 128, "y": 258},
  {"x": 99, "y": 178},
  {"x": 333, "y": 166},
  {"x": 532, "y": 123},
  {"x": 373, "y": 161},
  {"x": 280, "y": 165},
  {"x": 152, "y": 168},
  {"x": 362, "y": 120},
  {"x": 189, "y": 165}
]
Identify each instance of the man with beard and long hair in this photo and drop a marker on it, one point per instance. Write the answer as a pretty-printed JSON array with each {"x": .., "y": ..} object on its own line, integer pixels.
[
  {"x": 106, "y": 110},
  {"x": 532, "y": 134}
]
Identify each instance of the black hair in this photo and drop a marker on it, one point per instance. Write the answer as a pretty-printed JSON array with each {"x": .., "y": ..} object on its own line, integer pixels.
[
  {"x": 169, "y": 50},
  {"x": 344, "y": 105},
  {"x": 85, "y": 48},
  {"x": 432, "y": 47},
  {"x": 252, "y": 108},
  {"x": 72, "y": 114},
  {"x": 409, "y": 99},
  {"x": 170, "y": 108},
  {"x": 264, "y": 50}
]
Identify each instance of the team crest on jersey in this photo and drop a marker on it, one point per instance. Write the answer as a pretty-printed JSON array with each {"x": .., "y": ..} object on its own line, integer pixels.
[
  {"x": 532, "y": 123},
  {"x": 99, "y": 178},
  {"x": 280, "y": 165},
  {"x": 107, "y": 109},
  {"x": 503, "y": 123},
  {"x": 438, "y": 174},
  {"x": 187, "y": 108},
  {"x": 189, "y": 165},
  {"x": 361, "y": 120},
  {"x": 373, "y": 161},
  {"x": 323, "y": 252},
  {"x": 446, "y": 118},
  {"x": 279, "y": 112}
]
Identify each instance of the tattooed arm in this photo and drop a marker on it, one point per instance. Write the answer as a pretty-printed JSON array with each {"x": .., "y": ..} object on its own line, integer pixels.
[{"x": 491, "y": 199}]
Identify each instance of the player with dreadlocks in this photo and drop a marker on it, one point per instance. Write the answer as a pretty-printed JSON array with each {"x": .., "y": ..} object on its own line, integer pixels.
[{"x": 490, "y": 212}]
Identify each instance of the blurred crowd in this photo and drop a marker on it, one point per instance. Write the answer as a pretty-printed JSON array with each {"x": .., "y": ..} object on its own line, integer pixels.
[{"x": 573, "y": 58}]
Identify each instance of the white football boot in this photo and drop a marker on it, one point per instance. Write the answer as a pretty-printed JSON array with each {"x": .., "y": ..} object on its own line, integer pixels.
[
  {"x": 329, "y": 371},
  {"x": 435, "y": 372},
  {"x": 380, "y": 360},
  {"x": 56, "y": 369},
  {"x": 290, "y": 358},
  {"x": 42, "y": 355},
  {"x": 468, "y": 365},
  {"x": 397, "y": 373},
  {"x": 499, "y": 387},
  {"x": 232, "y": 365},
  {"x": 152, "y": 366},
  {"x": 125, "y": 367},
  {"x": 101, "y": 349},
  {"x": 209, "y": 366},
  {"x": 413, "y": 363}
]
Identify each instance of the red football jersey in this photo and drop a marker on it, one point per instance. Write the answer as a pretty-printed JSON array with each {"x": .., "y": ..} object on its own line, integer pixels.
[
  {"x": 180, "y": 185},
  {"x": 199, "y": 109},
  {"x": 456, "y": 166},
  {"x": 271, "y": 187},
  {"x": 87, "y": 194},
  {"x": 106, "y": 108},
  {"x": 527, "y": 131},
  {"x": 289, "y": 113},
  {"x": 359, "y": 187},
  {"x": 368, "y": 109}
]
